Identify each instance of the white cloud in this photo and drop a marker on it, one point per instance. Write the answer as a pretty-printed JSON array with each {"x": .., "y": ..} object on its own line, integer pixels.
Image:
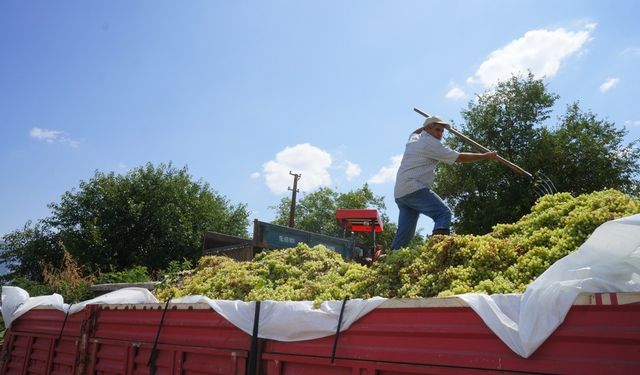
[
  {"x": 255, "y": 175},
  {"x": 352, "y": 170},
  {"x": 609, "y": 84},
  {"x": 632, "y": 123},
  {"x": 455, "y": 93},
  {"x": 631, "y": 51},
  {"x": 44, "y": 134},
  {"x": 310, "y": 161},
  {"x": 388, "y": 172},
  {"x": 51, "y": 136},
  {"x": 541, "y": 51},
  {"x": 70, "y": 142}
]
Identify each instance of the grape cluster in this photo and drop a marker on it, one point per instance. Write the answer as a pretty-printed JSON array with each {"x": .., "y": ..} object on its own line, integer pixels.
[
  {"x": 301, "y": 273},
  {"x": 503, "y": 261}
]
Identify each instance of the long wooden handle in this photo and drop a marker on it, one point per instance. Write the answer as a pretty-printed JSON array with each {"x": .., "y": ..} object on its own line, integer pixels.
[{"x": 514, "y": 167}]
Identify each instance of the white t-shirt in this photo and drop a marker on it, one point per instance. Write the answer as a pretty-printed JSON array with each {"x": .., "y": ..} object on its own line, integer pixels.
[{"x": 421, "y": 156}]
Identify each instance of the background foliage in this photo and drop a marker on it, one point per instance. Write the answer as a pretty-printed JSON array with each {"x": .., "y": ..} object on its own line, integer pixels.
[
  {"x": 581, "y": 154},
  {"x": 148, "y": 217}
]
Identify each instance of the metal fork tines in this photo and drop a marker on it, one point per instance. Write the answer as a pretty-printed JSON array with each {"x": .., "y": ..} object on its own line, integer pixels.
[{"x": 542, "y": 185}]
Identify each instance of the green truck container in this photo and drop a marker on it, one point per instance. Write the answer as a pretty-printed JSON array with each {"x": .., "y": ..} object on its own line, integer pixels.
[{"x": 272, "y": 236}]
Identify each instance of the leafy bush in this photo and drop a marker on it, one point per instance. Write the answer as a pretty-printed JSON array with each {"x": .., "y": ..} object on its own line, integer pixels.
[
  {"x": 68, "y": 280},
  {"x": 34, "y": 288},
  {"x": 137, "y": 274}
]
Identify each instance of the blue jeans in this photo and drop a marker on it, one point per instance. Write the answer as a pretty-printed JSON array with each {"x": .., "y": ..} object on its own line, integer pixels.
[{"x": 423, "y": 201}]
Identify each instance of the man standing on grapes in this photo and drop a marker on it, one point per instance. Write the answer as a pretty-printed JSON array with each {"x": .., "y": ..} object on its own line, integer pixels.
[{"x": 413, "y": 194}]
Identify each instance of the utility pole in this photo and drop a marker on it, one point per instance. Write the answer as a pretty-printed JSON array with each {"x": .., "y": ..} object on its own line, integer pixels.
[{"x": 292, "y": 211}]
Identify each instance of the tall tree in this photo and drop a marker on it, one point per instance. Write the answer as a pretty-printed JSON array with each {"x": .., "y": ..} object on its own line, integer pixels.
[
  {"x": 150, "y": 216},
  {"x": 580, "y": 155},
  {"x": 585, "y": 154},
  {"x": 483, "y": 194},
  {"x": 27, "y": 251}
]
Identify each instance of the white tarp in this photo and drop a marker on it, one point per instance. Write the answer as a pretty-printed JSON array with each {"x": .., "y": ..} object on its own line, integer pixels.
[
  {"x": 608, "y": 262},
  {"x": 290, "y": 320},
  {"x": 282, "y": 321},
  {"x": 16, "y": 301}
]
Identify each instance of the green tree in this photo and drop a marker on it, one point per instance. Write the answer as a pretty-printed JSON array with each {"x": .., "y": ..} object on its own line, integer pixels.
[
  {"x": 582, "y": 154},
  {"x": 586, "y": 154},
  {"x": 316, "y": 212},
  {"x": 29, "y": 250},
  {"x": 148, "y": 217}
]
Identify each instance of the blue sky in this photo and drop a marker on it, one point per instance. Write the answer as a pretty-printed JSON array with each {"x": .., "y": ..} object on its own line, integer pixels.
[{"x": 242, "y": 92}]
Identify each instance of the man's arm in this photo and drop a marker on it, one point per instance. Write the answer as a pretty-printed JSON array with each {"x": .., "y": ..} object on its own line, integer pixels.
[{"x": 470, "y": 157}]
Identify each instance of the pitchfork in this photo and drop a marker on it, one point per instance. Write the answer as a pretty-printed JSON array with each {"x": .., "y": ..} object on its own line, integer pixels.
[{"x": 542, "y": 185}]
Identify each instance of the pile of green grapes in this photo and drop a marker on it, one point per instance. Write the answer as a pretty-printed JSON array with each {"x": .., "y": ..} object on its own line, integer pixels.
[
  {"x": 296, "y": 274},
  {"x": 503, "y": 261}
]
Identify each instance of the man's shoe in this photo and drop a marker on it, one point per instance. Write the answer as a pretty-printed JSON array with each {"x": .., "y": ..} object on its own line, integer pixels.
[{"x": 443, "y": 232}]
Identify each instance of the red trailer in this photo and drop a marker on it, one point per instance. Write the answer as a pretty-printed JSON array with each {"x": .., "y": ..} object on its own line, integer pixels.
[{"x": 600, "y": 335}]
